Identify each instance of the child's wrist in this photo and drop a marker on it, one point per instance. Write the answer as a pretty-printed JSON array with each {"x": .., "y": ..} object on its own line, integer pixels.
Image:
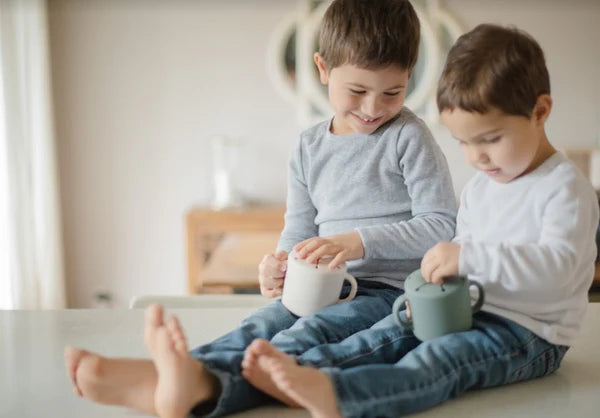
[{"x": 358, "y": 248}]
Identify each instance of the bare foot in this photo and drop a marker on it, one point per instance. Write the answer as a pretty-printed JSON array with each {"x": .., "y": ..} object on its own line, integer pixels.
[
  {"x": 124, "y": 382},
  {"x": 254, "y": 367},
  {"x": 182, "y": 380},
  {"x": 309, "y": 387}
]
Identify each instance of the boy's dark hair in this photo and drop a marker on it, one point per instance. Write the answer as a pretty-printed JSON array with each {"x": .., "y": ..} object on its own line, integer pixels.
[
  {"x": 494, "y": 67},
  {"x": 370, "y": 34}
]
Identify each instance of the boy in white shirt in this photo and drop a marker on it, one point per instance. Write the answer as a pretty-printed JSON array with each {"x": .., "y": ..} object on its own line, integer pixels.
[{"x": 525, "y": 231}]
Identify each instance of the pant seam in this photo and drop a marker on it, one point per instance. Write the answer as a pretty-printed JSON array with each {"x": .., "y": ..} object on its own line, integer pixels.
[
  {"x": 349, "y": 358},
  {"x": 369, "y": 352}
]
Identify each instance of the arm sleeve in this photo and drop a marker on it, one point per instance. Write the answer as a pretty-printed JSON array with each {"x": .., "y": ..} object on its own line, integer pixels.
[
  {"x": 300, "y": 211},
  {"x": 433, "y": 203},
  {"x": 568, "y": 224}
]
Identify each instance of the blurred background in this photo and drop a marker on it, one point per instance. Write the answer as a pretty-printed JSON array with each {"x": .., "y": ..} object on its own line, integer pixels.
[{"x": 144, "y": 103}]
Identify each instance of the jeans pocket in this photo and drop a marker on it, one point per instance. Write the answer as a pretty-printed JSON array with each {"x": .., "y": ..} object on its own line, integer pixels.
[{"x": 544, "y": 363}]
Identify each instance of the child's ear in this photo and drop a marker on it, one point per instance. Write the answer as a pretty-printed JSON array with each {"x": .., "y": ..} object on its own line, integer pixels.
[
  {"x": 320, "y": 62},
  {"x": 542, "y": 109}
]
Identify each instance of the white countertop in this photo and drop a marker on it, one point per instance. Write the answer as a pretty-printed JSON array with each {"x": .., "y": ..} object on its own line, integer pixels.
[{"x": 33, "y": 382}]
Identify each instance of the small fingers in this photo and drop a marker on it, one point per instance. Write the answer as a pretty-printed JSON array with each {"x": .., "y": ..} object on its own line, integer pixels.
[
  {"x": 322, "y": 251},
  {"x": 430, "y": 263},
  {"x": 276, "y": 284},
  {"x": 437, "y": 275},
  {"x": 337, "y": 260},
  {"x": 271, "y": 272},
  {"x": 271, "y": 292},
  {"x": 281, "y": 255},
  {"x": 271, "y": 283},
  {"x": 265, "y": 292},
  {"x": 309, "y": 247},
  {"x": 298, "y": 247},
  {"x": 426, "y": 269},
  {"x": 301, "y": 246},
  {"x": 278, "y": 268}
]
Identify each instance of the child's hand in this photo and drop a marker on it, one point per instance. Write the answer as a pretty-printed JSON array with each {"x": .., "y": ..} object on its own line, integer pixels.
[
  {"x": 440, "y": 261},
  {"x": 271, "y": 272},
  {"x": 341, "y": 247}
]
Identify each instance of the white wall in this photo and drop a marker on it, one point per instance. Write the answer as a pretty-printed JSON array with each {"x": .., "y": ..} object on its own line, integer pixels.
[{"x": 141, "y": 86}]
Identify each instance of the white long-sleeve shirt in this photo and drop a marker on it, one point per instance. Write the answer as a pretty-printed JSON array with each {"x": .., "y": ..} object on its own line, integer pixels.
[{"x": 531, "y": 244}]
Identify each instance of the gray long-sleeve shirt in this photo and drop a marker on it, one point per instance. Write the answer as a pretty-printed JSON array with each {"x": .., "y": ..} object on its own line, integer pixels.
[{"x": 392, "y": 186}]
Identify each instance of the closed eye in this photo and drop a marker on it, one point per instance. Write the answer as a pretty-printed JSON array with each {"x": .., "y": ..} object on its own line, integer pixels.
[
  {"x": 357, "y": 91},
  {"x": 492, "y": 140},
  {"x": 391, "y": 94}
]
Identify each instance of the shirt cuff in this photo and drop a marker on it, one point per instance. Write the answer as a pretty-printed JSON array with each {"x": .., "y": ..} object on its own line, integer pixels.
[{"x": 365, "y": 236}]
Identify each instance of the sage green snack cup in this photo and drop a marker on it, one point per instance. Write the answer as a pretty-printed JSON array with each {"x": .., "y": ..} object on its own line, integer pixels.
[{"x": 437, "y": 309}]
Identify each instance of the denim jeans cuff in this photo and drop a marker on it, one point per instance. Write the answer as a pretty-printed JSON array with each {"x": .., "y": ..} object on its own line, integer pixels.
[
  {"x": 215, "y": 407},
  {"x": 340, "y": 392}
]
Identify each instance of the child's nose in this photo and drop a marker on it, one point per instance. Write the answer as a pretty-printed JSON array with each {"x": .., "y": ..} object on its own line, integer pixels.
[
  {"x": 371, "y": 106},
  {"x": 483, "y": 158},
  {"x": 477, "y": 155}
]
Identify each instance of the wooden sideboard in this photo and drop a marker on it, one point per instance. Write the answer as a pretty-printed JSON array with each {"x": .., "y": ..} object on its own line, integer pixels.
[{"x": 224, "y": 247}]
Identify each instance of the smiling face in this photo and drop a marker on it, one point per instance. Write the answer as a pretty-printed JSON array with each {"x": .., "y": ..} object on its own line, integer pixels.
[
  {"x": 502, "y": 146},
  {"x": 363, "y": 99}
]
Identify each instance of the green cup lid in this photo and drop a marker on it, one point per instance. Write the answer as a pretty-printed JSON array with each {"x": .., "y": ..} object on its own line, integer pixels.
[{"x": 416, "y": 284}]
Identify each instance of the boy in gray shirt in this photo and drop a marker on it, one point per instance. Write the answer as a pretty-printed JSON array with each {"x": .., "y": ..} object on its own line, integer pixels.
[{"x": 369, "y": 186}]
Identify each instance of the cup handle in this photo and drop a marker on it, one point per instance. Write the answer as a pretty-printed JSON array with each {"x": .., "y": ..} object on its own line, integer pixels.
[
  {"x": 354, "y": 285},
  {"x": 396, "y": 310},
  {"x": 480, "y": 298}
]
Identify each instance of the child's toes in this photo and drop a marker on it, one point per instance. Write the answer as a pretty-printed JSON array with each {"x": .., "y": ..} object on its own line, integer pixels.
[
  {"x": 176, "y": 334},
  {"x": 153, "y": 322},
  {"x": 154, "y": 316},
  {"x": 257, "y": 347}
]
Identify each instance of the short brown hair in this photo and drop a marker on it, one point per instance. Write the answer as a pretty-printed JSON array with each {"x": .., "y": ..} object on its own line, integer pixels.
[
  {"x": 370, "y": 34},
  {"x": 494, "y": 66}
]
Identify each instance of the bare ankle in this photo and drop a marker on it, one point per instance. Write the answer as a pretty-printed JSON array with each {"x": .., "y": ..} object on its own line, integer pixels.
[{"x": 209, "y": 384}]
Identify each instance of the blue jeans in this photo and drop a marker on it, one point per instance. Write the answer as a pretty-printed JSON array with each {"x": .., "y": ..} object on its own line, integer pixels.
[
  {"x": 386, "y": 372},
  {"x": 288, "y": 333}
]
